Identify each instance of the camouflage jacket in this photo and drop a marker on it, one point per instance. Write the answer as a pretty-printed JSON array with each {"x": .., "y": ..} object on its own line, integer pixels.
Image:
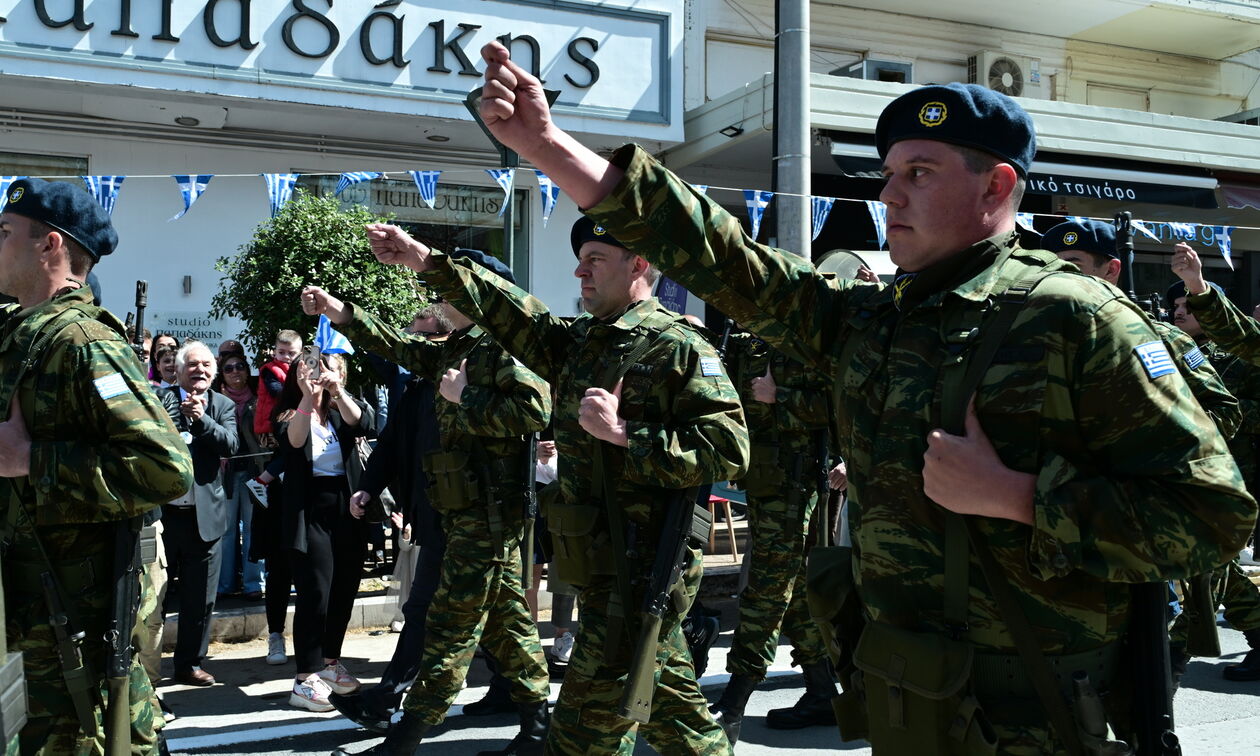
[
  {"x": 801, "y": 393},
  {"x": 502, "y": 403},
  {"x": 1133, "y": 481},
  {"x": 102, "y": 446},
  {"x": 684, "y": 421},
  {"x": 1198, "y": 367}
]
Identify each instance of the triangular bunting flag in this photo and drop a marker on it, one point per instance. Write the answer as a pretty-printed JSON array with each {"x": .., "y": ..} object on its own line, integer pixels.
[
  {"x": 503, "y": 177},
  {"x": 550, "y": 193},
  {"x": 672, "y": 296},
  {"x": 879, "y": 216},
  {"x": 822, "y": 208},
  {"x": 1141, "y": 226},
  {"x": 279, "y": 189},
  {"x": 1184, "y": 231},
  {"x": 191, "y": 187},
  {"x": 1026, "y": 221},
  {"x": 350, "y": 179},
  {"x": 702, "y": 188},
  {"x": 426, "y": 184},
  {"x": 757, "y": 201},
  {"x": 328, "y": 340},
  {"x": 1080, "y": 219},
  {"x": 1225, "y": 244},
  {"x": 5, "y": 182},
  {"x": 104, "y": 189}
]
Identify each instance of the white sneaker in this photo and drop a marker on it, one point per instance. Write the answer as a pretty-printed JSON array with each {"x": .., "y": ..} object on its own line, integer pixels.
[
  {"x": 336, "y": 677},
  {"x": 311, "y": 694},
  {"x": 275, "y": 649},
  {"x": 258, "y": 490},
  {"x": 395, "y": 627},
  {"x": 563, "y": 648}
]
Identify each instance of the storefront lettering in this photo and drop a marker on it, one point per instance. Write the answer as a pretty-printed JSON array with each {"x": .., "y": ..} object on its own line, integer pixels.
[
  {"x": 1204, "y": 235},
  {"x": 218, "y": 16}
]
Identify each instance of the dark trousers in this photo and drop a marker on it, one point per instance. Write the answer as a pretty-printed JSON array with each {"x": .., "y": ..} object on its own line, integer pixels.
[
  {"x": 279, "y": 581},
  {"x": 197, "y": 563},
  {"x": 327, "y": 575},
  {"x": 403, "y": 665}
]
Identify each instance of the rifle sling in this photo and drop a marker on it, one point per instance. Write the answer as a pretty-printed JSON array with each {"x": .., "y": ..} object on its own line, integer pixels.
[{"x": 961, "y": 530}]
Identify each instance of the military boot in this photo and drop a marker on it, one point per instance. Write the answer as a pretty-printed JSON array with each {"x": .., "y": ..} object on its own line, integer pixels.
[
  {"x": 1249, "y": 668},
  {"x": 814, "y": 708},
  {"x": 496, "y": 701},
  {"x": 728, "y": 712},
  {"x": 403, "y": 739},
  {"x": 529, "y": 741}
]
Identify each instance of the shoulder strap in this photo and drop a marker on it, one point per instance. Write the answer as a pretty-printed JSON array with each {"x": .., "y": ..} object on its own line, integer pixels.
[
  {"x": 46, "y": 333},
  {"x": 962, "y": 530}
]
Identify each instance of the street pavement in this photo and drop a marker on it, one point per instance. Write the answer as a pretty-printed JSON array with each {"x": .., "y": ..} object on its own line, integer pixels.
[{"x": 248, "y": 712}]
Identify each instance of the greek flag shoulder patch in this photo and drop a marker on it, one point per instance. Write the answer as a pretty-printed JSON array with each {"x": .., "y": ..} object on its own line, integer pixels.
[
  {"x": 1155, "y": 359},
  {"x": 710, "y": 367},
  {"x": 1194, "y": 358},
  {"x": 111, "y": 386}
]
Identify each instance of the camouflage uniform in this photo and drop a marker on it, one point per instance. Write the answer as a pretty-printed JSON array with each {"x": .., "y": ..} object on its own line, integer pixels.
[
  {"x": 1133, "y": 482},
  {"x": 103, "y": 449},
  {"x": 685, "y": 428},
  {"x": 782, "y": 494},
  {"x": 479, "y": 598}
]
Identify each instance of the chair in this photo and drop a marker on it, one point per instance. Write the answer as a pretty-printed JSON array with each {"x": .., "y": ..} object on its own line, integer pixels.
[{"x": 730, "y": 525}]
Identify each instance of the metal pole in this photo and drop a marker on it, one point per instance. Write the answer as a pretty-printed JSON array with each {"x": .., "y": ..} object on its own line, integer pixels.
[
  {"x": 792, "y": 127},
  {"x": 511, "y": 160}
]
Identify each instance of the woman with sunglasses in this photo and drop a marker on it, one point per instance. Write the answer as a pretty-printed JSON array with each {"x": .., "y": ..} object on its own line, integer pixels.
[{"x": 235, "y": 382}]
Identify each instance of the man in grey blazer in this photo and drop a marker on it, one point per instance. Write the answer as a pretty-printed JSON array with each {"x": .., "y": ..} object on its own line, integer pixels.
[{"x": 194, "y": 523}]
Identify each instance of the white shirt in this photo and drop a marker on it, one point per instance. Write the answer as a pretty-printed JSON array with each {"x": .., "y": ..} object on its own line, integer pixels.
[{"x": 326, "y": 451}]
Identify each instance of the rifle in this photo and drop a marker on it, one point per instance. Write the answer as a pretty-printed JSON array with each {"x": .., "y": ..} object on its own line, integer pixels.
[
  {"x": 12, "y": 688},
  {"x": 1202, "y": 638},
  {"x": 124, "y": 605},
  {"x": 70, "y": 650},
  {"x": 531, "y": 512},
  {"x": 137, "y": 335},
  {"x": 682, "y": 522},
  {"x": 726, "y": 339}
]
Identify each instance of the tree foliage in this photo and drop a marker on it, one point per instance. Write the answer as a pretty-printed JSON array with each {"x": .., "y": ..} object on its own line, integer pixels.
[{"x": 311, "y": 241}]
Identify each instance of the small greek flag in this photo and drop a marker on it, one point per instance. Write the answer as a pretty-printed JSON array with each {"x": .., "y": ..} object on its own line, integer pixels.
[
  {"x": 1141, "y": 226},
  {"x": 1079, "y": 219},
  {"x": 879, "y": 216},
  {"x": 191, "y": 187},
  {"x": 1194, "y": 358},
  {"x": 350, "y": 179},
  {"x": 822, "y": 208},
  {"x": 328, "y": 341},
  {"x": 550, "y": 193},
  {"x": 5, "y": 181},
  {"x": 702, "y": 188},
  {"x": 1026, "y": 221},
  {"x": 104, "y": 189},
  {"x": 757, "y": 202},
  {"x": 503, "y": 177},
  {"x": 279, "y": 189},
  {"x": 426, "y": 184},
  {"x": 1155, "y": 358},
  {"x": 1225, "y": 244},
  {"x": 1185, "y": 230}
]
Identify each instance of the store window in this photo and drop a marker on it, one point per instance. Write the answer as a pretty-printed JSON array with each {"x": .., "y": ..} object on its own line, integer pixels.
[
  {"x": 461, "y": 216},
  {"x": 42, "y": 166}
]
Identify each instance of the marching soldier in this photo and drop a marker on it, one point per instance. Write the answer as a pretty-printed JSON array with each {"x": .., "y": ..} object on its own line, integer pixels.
[{"x": 86, "y": 450}]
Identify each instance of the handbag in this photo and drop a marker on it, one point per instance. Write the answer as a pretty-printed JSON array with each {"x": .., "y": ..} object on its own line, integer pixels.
[{"x": 379, "y": 507}]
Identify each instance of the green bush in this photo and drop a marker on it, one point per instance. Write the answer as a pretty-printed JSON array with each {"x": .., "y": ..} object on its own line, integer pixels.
[{"x": 311, "y": 241}]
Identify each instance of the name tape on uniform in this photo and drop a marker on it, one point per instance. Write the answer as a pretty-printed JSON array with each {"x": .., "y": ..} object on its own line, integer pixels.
[
  {"x": 111, "y": 386},
  {"x": 1194, "y": 358},
  {"x": 1155, "y": 359},
  {"x": 710, "y": 367}
]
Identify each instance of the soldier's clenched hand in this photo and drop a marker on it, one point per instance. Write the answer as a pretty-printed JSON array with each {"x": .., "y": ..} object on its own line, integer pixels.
[
  {"x": 598, "y": 416},
  {"x": 1189, "y": 268},
  {"x": 764, "y": 389},
  {"x": 965, "y": 475},
  {"x": 316, "y": 301},
  {"x": 454, "y": 382},
  {"x": 513, "y": 105},
  {"x": 838, "y": 477},
  {"x": 394, "y": 246},
  {"x": 15, "y": 444}
]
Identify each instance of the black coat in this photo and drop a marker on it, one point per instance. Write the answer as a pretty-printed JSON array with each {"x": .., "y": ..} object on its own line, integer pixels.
[
  {"x": 398, "y": 462},
  {"x": 214, "y": 437}
]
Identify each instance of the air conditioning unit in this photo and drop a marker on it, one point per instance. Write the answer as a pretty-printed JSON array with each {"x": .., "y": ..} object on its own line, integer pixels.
[
  {"x": 878, "y": 70},
  {"x": 1013, "y": 75},
  {"x": 1248, "y": 117}
]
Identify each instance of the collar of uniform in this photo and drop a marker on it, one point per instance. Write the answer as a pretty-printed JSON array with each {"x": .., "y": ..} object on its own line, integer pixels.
[
  {"x": 981, "y": 283},
  {"x": 634, "y": 314},
  {"x": 53, "y": 304}
]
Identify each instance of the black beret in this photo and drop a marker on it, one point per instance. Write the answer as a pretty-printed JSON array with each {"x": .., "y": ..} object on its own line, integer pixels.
[
  {"x": 964, "y": 114},
  {"x": 1094, "y": 236},
  {"x": 1178, "y": 290},
  {"x": 585, "y": 230},
  {"x": 67, "y": 208},
  {"x": 489, "y": 262}
]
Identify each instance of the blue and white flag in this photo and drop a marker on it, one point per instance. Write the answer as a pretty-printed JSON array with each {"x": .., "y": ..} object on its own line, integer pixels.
[
  {"x": 702, "y": 188},
  {"x": 1140, "y": 225},
  {"x": 328, "y": 341},
  {"x": 879, "y": 216},
  {"x": 426, "y": 184},
  {"x": 671, "y": 295},
  {"x": 504, "y": 178},
  {"x": 550, "y": 193},
  {"x": 279, "y": 189},
  {"x": 1079, "y": 219},
  {"x": 1025, "y": 220},
  {"x": 822, "y": 208},
  {"x": 1184, "y": 231},
  {"x": 104, "y": 189},
  {"x": 1224, "y": 243},
  {"x": 757, "y": 200},
  {"x": 5, "y": 182},
  {"x": 191, "y": 187},
  {"x": 350, "y": 179}
]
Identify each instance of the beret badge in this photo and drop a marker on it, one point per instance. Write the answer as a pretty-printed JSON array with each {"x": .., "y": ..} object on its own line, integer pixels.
[
  {"x": 933, "y": 114},
  {"x": 1070, "y": 237},
  {"x": 16, "y": 194}
]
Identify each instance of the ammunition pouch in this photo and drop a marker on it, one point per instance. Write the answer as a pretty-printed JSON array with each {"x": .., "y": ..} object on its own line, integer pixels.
[
  {"x": 148, "y": 544},
  {"x": 582, "y": 547},
  {"x": 12, "y": 697},
  {"x": 767, "y": 473},
  {"x": 917, "y": 695},
  {"x": 456, "y": 480}
]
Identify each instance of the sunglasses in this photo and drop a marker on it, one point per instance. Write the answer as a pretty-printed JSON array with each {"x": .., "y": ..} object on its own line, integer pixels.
[{"x": 235, "y": 367}]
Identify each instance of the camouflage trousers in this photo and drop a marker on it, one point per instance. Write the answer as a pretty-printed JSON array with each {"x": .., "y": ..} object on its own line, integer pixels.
[
  {"x": 479, "y": 599},
  {"x": 1232, "y": 590},
  {"x": 774, "y": 600},
  {"x": 585, "y": 719}
]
